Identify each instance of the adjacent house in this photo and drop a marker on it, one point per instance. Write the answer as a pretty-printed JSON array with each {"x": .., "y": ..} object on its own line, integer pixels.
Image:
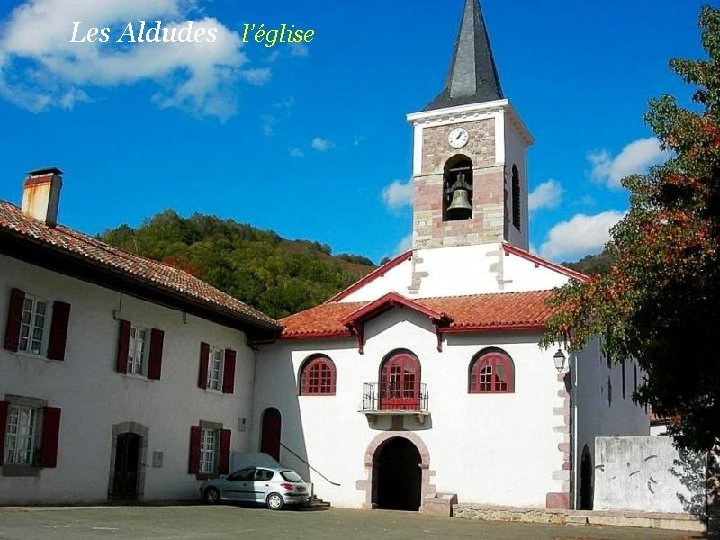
[{"x": 122, "y": 378}]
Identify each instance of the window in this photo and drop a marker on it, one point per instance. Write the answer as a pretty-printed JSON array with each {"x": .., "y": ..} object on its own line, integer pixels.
[
  {"x": 209, "y": 450},
  {"x": 516, "y": 197},
  {"x": 492, "y": 371},
  {"x": 140, "y": 350},
  {"x": 21, "y": 435},
  {"x": 217, "y": 369},
  {"x": 215, "y": 365},
  {"x": 29, "y": 432},
  {"x": 317, "y": 377},
  {"x": 34, "y": 327}
]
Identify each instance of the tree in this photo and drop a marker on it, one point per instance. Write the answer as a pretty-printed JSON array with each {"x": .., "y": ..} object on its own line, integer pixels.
[{"x": 660, "y": 302}]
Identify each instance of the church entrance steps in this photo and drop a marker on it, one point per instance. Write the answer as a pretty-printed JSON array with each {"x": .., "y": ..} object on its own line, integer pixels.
[{"x": 616, "y": 518}]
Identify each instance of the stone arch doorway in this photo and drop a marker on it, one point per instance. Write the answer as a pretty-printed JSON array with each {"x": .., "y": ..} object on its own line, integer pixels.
[
  {"x": 271, "y": 433},
  {"x": 412, "y": 447},
  {"x": 397, "y": 475},
  {"x": 128, "y": 462}
]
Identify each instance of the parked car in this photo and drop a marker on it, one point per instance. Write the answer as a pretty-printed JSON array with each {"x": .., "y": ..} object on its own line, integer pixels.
[{"x": 274, "y": 487}]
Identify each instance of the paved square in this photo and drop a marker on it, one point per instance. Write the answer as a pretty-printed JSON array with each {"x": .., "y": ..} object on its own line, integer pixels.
[{"x": 217, "y": 522}]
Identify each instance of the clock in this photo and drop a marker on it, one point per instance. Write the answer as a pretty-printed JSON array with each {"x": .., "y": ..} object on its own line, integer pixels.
[{"x": 458, "y": 137}]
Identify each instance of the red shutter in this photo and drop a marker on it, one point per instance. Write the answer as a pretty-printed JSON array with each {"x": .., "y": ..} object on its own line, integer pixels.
[
  {"x": 157, "y": 338},
  {"x": 224, "y": 461},
  {"x": 228, "y": 385},
  {"x": 123, "y": 347},
  {"x": 194, "y": 464},
  {"x": 58, "y": 331},
  {"x": 3, "y": 423},
  {"x": 12, "y": 327},
  {"x": 50, "y": 437},
  {"x": 204, "y": 358}
]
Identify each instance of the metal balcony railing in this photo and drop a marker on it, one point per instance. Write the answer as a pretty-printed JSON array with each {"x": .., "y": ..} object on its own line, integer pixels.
[{"x": 395, "y": 397}]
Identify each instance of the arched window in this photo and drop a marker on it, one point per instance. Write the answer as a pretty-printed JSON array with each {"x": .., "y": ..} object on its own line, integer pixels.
[
  {"x": 492, "y": 372},
  {"x": 318, "y": 376},
  {"x": 516, "y": 197}
]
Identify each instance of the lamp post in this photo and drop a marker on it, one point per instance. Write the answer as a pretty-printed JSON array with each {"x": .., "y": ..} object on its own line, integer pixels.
[{"x": 559, "y": 360}]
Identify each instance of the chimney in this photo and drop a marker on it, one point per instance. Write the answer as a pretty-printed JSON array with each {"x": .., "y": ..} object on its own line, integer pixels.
[{"x": 41, "y": 195}]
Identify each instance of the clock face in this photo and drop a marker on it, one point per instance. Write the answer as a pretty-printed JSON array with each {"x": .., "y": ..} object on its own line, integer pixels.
[{"x": 458, "y": 137}]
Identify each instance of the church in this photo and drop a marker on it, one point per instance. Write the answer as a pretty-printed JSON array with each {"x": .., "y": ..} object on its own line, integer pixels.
[
  {"x": 421, "y": 382},
  {"x": 425, "y": 377}
]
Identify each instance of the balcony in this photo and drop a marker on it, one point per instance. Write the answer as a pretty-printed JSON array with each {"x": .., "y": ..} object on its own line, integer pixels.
[{"x": 395, "y": 399}]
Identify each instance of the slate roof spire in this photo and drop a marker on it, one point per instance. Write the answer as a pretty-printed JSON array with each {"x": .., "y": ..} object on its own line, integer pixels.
[{"x": 472, "y": 77}]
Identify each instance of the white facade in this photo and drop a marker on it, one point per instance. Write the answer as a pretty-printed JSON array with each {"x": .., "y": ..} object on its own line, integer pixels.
[
  {"x": 508, "y": 449},
  {"x": 95, "y": 400}
]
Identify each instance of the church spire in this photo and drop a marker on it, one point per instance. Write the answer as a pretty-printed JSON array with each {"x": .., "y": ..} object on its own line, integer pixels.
[{"x": 473, "y": 77}]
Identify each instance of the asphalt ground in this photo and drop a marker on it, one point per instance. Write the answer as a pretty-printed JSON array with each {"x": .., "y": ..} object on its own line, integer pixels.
[{"x": 217, "y": 522}]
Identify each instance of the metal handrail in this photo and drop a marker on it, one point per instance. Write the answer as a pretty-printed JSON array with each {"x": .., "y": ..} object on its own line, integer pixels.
[
  {"x": 310, "y": 466},
  {"x": 395, "y": 397}
]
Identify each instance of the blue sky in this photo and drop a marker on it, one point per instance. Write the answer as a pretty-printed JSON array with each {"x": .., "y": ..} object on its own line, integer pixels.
[{"x": 306, "y": 139}]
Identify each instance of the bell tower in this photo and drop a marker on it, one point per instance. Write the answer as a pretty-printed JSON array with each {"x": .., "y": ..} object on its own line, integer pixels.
[{"x": 470, "y": 153}]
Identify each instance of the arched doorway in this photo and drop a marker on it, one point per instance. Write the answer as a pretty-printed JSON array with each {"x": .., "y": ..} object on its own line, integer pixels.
[
  {"x": 400, "y": 382},
  {"x": 271, "y": 433},
  {"x": 397, "y": 475},
  {"x": 586, "y": 480}
]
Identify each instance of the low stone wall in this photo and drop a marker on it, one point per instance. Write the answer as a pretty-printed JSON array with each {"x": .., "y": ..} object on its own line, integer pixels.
[
  {"x": 648, "y": 474},
  {"x": 656, "y": 520}
]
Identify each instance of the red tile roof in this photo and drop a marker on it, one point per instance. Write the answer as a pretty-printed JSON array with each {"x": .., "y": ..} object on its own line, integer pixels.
[
  {"x": 499, "y": 311},
  {"x": 161, "y": 277}
]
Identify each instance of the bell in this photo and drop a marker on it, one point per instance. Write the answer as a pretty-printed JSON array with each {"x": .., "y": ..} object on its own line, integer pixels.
[{"x": 460, "y": 207}]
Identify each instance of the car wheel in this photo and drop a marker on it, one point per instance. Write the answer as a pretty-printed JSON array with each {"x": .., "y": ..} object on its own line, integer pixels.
[
  {"x": 274, "y": 501},
  {"x": 211, "y": 495}
]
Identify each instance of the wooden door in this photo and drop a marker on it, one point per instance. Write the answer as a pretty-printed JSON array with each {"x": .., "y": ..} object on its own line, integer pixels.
[
  {"x": 127, "y": 461},
  {"x": 271, "y": 432},
  {"x": 400, "y": 383}
]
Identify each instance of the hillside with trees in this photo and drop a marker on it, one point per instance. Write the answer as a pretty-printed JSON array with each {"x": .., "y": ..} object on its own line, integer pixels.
[{"x": 259, "y": 267}]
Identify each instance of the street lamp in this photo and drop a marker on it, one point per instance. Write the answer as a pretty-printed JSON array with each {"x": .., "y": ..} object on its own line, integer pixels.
[{"x": 559, "y": 360}]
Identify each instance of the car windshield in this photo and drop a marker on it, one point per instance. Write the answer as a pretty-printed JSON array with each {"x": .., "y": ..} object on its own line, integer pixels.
[{"x": 291, "y": 476}]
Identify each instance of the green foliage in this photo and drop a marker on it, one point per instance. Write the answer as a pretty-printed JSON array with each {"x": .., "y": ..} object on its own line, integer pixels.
[
  {"x": 276, "y": 276},
  {"x": 660, "y": 302},
  {"x": 593, "y": 264}
]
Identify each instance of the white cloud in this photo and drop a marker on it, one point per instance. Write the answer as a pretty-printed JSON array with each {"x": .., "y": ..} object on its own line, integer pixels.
[
  {"x": 581, "y": 235},
  {"x": 299, "y": 50},
  {"x": 635, "y": 158},
  {"x": 404, "y": 245},
  {"x": 546, "y": 195},
  {"x": 322, "y": 145},
  {"x": 268, "y": 124},
  {"x": 396, "y": 195},
  {"x": 296, "y": 153},
  {"x": 40, "y": 69}
]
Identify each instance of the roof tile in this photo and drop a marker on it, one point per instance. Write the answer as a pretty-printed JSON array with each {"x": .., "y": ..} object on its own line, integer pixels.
[
  {"x": 496, "y": 311},
  {"x": 99, "y": 253}
]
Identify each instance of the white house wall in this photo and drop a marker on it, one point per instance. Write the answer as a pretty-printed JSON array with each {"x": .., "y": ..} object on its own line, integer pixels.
[
  {"x": 458, "y": 271},
  {"x": 93, "y": 397},
  {"x": 477, "y": 447}
]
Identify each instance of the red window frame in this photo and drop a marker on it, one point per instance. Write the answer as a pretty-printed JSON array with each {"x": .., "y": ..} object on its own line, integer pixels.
[
  {"x": 492, "y": 373},
  {"x": 318, "y": 377}
]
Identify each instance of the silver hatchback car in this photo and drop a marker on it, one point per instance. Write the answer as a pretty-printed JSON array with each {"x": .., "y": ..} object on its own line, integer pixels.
[{"x": 271, "y": 486}]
